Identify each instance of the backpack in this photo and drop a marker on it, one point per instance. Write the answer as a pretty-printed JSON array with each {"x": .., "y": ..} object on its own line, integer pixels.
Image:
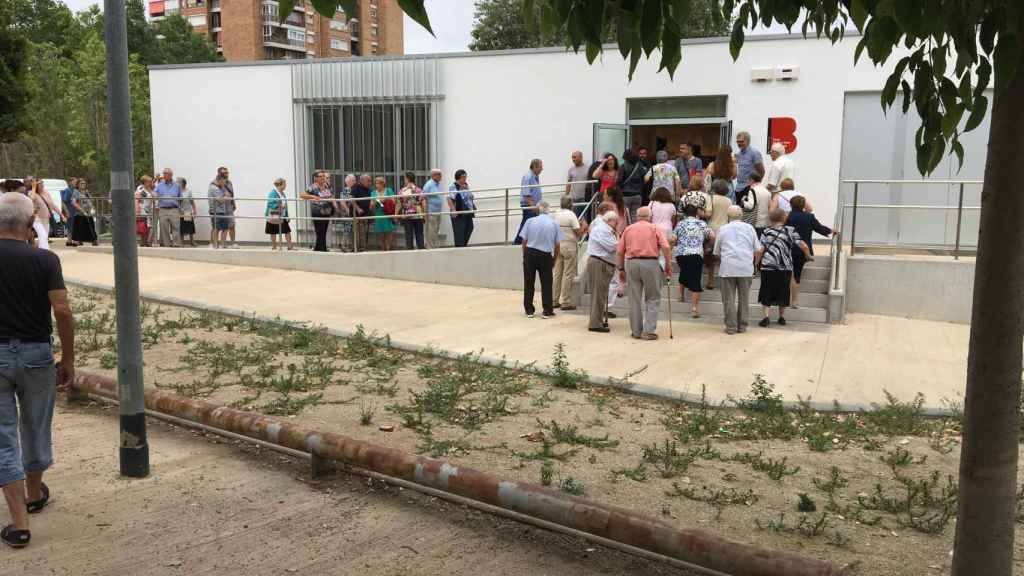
[{"x": 749, "y": 200}]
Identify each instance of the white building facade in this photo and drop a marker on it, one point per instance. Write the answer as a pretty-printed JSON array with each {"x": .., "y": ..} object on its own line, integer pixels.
[{"x": 490, "y": 113}]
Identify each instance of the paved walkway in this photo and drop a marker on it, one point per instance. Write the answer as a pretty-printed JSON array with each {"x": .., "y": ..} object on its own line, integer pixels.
[
  {"x": 851, "y": 363},
  {"x": 224, "y": 508}
]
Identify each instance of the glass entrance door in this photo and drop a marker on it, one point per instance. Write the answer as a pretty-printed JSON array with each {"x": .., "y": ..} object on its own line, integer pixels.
[{"x": 610, "y": 138}]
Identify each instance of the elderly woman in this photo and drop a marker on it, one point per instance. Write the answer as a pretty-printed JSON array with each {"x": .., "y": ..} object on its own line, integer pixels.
[
  {"x": 344, "y": 208},
  {"x": 43, "y": 208},
  {"x": 665, "y": 176},
  {"x": 322, "y": 207},
  {"x": 690, "y": 237},
  {"x": 277, "y": 216},
  {"x": 778, "y": 243},
  {"x": 462, "y": 204},
  {"x": 187, "y": 225},
  {"x": 720, "y": 205},
  {"x": 412, "y": 205},
  {"x": 384, "y": 207},
  {"x": 805, "y": 224}
]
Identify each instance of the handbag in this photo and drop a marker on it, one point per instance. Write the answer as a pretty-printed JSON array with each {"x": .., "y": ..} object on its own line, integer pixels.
[
  {"x": 323, "y": 209},
  {"x": 277, "y": 214}
]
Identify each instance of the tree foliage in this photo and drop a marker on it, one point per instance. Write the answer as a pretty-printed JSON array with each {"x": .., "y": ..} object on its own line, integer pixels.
[
  {"x": 13, "y": 96},
  {"x": 62, "y": 128},
  {"x": 503, "y": 25}
]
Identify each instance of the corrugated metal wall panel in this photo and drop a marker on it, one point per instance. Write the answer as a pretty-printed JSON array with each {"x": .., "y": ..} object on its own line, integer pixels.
[{"x": 362, "y": 81}]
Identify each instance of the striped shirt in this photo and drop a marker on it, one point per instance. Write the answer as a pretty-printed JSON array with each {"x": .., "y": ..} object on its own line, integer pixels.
[{"x": 779, "y": 244}]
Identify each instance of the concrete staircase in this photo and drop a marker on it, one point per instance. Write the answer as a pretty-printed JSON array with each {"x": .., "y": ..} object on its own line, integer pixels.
[{"x": 814, "y": 298}]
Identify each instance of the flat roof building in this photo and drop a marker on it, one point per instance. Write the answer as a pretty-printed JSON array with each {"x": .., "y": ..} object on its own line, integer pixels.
[
  {"x": 490, "y": 113},
  {"x": 245, "y": 30}
]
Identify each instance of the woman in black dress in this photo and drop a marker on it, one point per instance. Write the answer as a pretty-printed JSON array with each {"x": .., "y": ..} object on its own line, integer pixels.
[{"x": 778, "y": 242}]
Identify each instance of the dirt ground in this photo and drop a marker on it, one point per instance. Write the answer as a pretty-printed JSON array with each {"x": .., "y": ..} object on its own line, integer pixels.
[
  {"x": 880, "y": 488},
  {"x": 212, "y": 506}
]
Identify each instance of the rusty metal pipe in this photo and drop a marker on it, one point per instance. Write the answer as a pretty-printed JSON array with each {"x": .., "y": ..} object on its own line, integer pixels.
[{"x": 618, "y": 524}]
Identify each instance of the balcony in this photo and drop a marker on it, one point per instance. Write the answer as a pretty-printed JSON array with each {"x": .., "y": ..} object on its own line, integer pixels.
[{"x": 287, "y": 39}]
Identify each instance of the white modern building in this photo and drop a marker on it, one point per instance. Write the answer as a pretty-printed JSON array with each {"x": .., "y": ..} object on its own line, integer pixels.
[{"x": 491, "y": 113}]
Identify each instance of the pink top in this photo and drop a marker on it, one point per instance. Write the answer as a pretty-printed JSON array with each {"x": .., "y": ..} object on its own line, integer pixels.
[
  {"x": 641, "y": 240},
  {"x": 661, "y": 216}
]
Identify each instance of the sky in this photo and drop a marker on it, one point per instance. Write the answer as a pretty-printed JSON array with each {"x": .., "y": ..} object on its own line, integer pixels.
[{"x": 452, "y": 21}]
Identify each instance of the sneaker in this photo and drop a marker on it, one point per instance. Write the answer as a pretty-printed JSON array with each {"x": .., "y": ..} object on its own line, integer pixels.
[
  {"x": 602, "y": 329},
  {"x": 764, "y": 322},
  {"x": 545, "y": 316},
  {"x": 530, "y": 314},
  {"x": 782, "y": 321}
]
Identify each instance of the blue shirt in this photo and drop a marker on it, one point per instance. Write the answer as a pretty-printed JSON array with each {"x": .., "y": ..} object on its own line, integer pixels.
[
  {"x": 435, "y": 203},
  {"x": 168, "y": 194},
  {"x": 530, "y": 190},
  {"x": 690, "y": 235},
  {"x": 541, "y": 233},
  {"x": 67, "y": 196},
  {"x": 746, "y": 159},
  {"x": 603, "y": 243}
]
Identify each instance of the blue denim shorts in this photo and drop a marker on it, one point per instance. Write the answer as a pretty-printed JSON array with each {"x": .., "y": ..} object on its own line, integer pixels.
[{"x": 28, "y": 381}]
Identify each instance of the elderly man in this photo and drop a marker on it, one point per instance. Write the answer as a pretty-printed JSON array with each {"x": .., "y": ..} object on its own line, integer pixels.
[
  {"x": 601, "y": 251},
  {"x": 540, "y": 238},
  {"x": 782, "y": 167},
  {"x": 168, "y": 204},
  {"x": 435, "y": 205},
  {"x": 576, "y": 179},
  {"x": 30, "y": 286},
  {"x": 736, "y": 245},
  {"x": 638, "y": 252},
  {"x": 565, "y": 263},
  {"x": 748, "y": 160},
  {"x": 530, "y": 194},
  {"x": 687, "y": 165}
]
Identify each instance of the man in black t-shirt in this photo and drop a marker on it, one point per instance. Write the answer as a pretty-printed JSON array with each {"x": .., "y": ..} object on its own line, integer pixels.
[
  {"x": 30, "y": 285},
  {"x": 362, "y": 190}
]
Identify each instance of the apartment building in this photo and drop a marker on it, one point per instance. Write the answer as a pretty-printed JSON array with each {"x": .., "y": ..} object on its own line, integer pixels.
[{"x": 246, "y": 30}]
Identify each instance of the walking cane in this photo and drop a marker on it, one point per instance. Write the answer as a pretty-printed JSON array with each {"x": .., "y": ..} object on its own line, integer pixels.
[{"x": 668, "y": 288}]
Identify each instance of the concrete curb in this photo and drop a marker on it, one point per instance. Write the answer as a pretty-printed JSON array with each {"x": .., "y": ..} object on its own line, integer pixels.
[{"x": 604, "y": 381}]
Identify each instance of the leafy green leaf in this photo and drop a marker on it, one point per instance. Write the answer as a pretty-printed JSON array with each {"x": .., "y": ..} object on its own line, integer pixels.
[
  {"x": 859, "y": 14},
  {"x": 951, "y": 120},
  {"x": 650, "y": 25},
  {"x": 984, "y": 72},
  {"x": 671, "y": 51},
  {"x": 417, "y": 11},
  {"x": 736, "y": 40},
  {"x": 889, "y": 92},
  {"x": 978, "y": 109},
  {"x": 958, "y": 149},
  {"x": 625, "y": 32}
]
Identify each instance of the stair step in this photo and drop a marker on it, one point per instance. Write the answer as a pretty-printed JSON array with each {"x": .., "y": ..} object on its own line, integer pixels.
[{"x": 716, "y": 310}]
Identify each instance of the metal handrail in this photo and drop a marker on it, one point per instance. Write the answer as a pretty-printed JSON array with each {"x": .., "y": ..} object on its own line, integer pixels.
[
  {"x": 482, "y": 213},
  {"x": 856, "y": 204}
]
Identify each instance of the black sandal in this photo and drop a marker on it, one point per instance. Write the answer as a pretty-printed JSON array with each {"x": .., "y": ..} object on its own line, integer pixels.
[
  {"x": 15, "y": 538},
  {"x": 37, "y": 506}
]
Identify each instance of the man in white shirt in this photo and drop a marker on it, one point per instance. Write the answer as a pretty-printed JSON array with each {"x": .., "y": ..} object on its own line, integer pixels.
[
  {"x": 565, "y": 263},
  {"x": 782, "y": 167},
  {"x": 736, "y": 244},
  {"x": 763, "y": 203},
  {"x": 601, "y": 253}
]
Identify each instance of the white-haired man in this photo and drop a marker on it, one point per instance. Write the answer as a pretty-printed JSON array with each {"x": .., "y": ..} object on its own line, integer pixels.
[
  {"x": 637, "y": 257},
  {"x": 168, "y": 204},
  {"x": 601, "y": 250},
  {"x": 782, "y": 167},
  {"x": 31, "y": 285},
  {"x": 540, "y": 237},
  {"x": 435, "y": 205},
  {"x": 736, "y": 245}
]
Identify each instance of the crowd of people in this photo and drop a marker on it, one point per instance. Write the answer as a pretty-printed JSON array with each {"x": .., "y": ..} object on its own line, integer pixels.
[
  {"x": 75, "y": 212},
  {"x": 362, "y": 209},
  {"x": 723, "y": 225}
]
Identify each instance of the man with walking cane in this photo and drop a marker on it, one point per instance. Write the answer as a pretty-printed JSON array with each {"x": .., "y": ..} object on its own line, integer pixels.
[{"x": 638, "y": 253}]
